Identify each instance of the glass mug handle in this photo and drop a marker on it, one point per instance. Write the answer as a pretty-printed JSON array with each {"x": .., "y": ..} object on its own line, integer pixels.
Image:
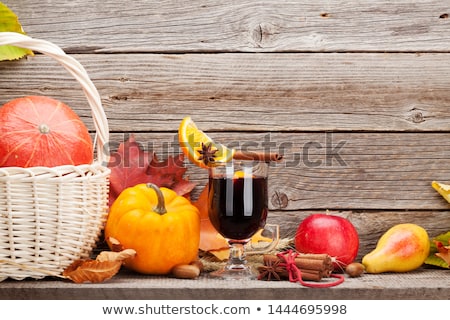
[{"x": 266, "y": 240}]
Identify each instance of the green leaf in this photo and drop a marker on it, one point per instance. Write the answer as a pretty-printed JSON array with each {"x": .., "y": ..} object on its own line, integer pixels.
[
  {"x": 9, "y": 22},
  {"x": 432, "y": 258}
]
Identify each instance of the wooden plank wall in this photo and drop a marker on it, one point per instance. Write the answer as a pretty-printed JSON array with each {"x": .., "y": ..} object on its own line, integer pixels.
[{"x": 355, "y": 93}]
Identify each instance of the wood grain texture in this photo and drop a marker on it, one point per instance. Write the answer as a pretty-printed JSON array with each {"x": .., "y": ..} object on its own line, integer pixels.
[
  {"x": 418, "y": 285},
  {"x": 251, "y": 92},
  {"x": 238, "y": 26},
  {"x": 338, "y": 171}
]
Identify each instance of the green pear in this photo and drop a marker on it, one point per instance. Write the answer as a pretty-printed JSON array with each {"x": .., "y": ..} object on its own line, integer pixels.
[{"x": 404, "y": 247}]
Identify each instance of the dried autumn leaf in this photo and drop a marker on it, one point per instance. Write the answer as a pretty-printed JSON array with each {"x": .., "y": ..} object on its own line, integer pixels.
[
  {"x": 258, "y": 237},
  {"x": 440, "y": 251},
  {"x": 131, "y": 165},
  {"x": 443, "y": 252},
  {"x": 104, "y": 267},
  {"x": 116, "y": 246},
  {"x": 128, "y": 165},
  {"x": 442, "y": 188},
  {"x": 170, "y": 173},
  {"x": 91, "y": 270},
  {"x": 115, "y": 256},
  {"x": 221, "y": 254}
]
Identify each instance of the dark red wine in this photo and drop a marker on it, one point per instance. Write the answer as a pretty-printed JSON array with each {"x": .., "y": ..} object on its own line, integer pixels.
[{"x": 238, "y": 207}]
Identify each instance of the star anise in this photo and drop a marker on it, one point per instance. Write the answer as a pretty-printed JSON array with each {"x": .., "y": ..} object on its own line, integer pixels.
[
  {"x": 270, "y": 271},
  {"x": 207, "y": 153}
]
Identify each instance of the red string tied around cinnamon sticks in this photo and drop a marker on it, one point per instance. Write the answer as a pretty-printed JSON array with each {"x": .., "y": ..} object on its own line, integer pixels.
[
  {"x": 289, "y": 264},
  {"x": 286, "y": 264}
]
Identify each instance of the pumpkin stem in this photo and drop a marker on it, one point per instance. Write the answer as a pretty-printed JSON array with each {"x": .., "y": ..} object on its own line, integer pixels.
[
  {"x": 160, "y": 206},
  {"x": 44, "y": 128}
]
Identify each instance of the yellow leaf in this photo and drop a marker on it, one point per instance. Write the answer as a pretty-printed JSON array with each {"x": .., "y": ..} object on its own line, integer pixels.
[
  {"x": 221, "y": 254},
  {"x": 10, "y": 23},
  {"x": 443, "y": 189},
  {"x": 258, "y": 237}
]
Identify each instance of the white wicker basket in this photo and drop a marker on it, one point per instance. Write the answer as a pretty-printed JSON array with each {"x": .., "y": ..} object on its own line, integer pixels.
[{"x": 50, "y": 217}]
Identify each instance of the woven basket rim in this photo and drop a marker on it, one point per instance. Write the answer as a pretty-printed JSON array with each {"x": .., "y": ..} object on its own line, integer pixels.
[{"x": 65, "y": 172}]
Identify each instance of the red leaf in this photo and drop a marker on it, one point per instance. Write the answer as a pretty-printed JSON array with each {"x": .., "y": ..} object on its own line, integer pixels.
[
  {"x": 172, "y": 175},
  {"x": 131, "y": 165},
  {"x": 443, "y": 251}
]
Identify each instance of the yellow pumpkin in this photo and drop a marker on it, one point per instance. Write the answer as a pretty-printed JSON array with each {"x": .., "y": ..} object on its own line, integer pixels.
[{"x": 161, "y": 226}]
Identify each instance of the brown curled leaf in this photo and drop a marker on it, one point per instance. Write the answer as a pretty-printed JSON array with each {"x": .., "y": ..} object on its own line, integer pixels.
[
  {"x": 92, "y": 271},
  {"x": 116, "y": 256},
  {"x": 116, "y": 246},
  {"x": 104, "y": 267}
]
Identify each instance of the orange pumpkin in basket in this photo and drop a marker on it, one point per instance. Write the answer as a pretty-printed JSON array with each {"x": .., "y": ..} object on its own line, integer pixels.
[{"x": 41, "y": 131}]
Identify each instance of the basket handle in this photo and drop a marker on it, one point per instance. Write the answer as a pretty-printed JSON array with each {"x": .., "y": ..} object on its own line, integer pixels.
[{"x": 79, "y": 73}]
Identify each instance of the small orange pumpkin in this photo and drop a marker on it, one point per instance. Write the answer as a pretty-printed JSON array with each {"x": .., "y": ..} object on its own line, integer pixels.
[{"x": 161, "y": 226}]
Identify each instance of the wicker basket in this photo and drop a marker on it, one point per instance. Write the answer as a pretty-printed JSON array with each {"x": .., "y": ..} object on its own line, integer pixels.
[{"x": 50, "y": 217}]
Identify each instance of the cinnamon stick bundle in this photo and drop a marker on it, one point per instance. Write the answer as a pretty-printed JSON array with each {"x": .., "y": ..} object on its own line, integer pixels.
[{"x": 313, "y": 267}]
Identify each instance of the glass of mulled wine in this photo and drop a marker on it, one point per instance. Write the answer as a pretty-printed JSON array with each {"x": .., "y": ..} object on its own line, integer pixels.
[{"x": 238, "y": 207}]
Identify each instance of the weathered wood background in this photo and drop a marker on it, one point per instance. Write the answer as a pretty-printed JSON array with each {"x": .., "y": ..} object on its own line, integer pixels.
[{"x": 355, "y": 93}]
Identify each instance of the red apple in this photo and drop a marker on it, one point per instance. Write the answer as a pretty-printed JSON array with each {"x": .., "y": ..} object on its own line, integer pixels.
[{"x": 333, "y": 235}]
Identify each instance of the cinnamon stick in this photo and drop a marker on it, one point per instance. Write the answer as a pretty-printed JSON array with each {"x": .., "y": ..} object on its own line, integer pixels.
[
  {"x": 318, "y": 256},
  {"x": 307, "y": 275},
  {"x": 257, "y": 156}
]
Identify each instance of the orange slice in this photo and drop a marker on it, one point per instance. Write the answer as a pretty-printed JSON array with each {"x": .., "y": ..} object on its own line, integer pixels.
[{"x": 191, "y": 140}]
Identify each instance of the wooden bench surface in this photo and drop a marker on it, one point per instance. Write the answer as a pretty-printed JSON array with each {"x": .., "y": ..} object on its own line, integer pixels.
[
  {"x": 356, "y": 95},
  {"x": 420, "y": 284}
]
